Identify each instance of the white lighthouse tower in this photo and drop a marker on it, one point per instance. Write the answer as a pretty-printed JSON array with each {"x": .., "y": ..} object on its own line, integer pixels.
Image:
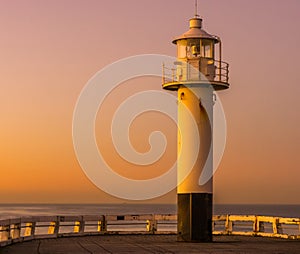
[{"x": 196, "y": 74}]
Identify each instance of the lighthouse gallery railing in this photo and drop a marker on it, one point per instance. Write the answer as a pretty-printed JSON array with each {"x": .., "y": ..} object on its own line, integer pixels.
[{"x": 219, "y": 72}]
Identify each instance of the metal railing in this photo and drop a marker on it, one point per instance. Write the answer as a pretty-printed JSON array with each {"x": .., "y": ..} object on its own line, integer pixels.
[
  {"x": 181, "y": 71},
  {"x": 39, "y": 227}
]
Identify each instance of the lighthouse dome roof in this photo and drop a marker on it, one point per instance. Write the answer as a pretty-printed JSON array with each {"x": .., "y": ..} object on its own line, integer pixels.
[{"x": 195, "y": 31}]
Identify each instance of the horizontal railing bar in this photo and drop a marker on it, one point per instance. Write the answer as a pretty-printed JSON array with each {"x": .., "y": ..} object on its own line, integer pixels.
[
  {"x": 166, "y": 223},
  {"x": 125, "y": 224}
]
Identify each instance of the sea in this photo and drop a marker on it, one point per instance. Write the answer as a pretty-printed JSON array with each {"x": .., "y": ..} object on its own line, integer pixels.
[{"x": 8, "y": 211}]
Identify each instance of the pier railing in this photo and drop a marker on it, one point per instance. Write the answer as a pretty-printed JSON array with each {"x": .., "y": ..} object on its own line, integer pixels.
[
  {"x": 38, "y": 227},
  {"x": 253, "y": 225}
]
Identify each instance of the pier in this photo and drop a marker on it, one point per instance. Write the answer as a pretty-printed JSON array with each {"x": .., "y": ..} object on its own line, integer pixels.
[
  {"x": 152, "y": 244},
  {"x": 148, "y": 233}
]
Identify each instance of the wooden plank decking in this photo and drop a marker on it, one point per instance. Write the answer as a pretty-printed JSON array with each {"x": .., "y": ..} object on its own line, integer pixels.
[{"x": 152, "y": 244}]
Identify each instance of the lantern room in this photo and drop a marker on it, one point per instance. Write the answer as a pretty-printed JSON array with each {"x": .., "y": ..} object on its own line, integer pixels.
[
  {"x": 195, "y": 43},
  {"x": 198, "y": 60}
]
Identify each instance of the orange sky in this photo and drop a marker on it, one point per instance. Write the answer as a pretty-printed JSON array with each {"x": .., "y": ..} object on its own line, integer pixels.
[{"x": 50, "y": 49}]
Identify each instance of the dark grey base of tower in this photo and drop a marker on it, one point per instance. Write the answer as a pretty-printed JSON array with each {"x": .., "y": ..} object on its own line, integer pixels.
[{"x": 194, "y": 217}]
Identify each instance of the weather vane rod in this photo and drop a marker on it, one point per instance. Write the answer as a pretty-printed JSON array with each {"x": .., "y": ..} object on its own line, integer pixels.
[{"x": 196, "y": 8}]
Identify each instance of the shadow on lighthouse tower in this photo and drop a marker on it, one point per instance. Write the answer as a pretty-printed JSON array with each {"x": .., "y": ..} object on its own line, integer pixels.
[{"x": 196, "y": 75}]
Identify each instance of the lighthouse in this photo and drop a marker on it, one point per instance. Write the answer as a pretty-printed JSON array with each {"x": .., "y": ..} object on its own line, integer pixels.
[{"x": 197, "y": 73}]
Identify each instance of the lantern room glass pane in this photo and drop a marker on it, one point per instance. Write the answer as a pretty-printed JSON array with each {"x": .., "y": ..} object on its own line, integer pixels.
[
  {"x": 193, "y": 48},
  {"x": 181, "y": 51},
  {"x": 207, "y": 49}
]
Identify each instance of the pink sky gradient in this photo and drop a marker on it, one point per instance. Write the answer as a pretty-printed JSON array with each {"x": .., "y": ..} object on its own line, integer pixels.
[{"x": 50, "y": 49}]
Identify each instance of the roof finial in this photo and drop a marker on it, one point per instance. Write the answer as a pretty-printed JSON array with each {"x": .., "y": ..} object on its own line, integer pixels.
[{"x": 196, "y": 9}]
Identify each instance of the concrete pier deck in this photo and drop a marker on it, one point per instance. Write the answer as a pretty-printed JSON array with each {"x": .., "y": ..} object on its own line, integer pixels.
[{"x": 152, "y": 244}]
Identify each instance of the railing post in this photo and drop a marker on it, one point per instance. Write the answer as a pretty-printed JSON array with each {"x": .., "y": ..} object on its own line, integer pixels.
[
  {"x": 228, "y": 225},
  {"x": 151, "y": 225},
  {"x": 79, "y": 226},
  {"x": 53, "y": 228},
  {"x": 173, "y": 74},
  {"x": 227, "y": 73},
  {"x": 277, "y": 229},
  {"x": 255, "y": 225},
  {"x": 29, "y": 229},
  {"x": 261, "y": 226},
  {"x": 220, "y": 58},
  {"x": 15, "y": 230},
  {"x": 220, "y": 71},
  {"x": 4, "y": 233},
  {"x": 102, "y": 225},
  {"x": 163, "y": 73},
  {"x": 258, "y": 226}
]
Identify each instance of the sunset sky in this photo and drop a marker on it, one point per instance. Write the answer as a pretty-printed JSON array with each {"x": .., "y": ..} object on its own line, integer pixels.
[{"x": 50, "y": 49}]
